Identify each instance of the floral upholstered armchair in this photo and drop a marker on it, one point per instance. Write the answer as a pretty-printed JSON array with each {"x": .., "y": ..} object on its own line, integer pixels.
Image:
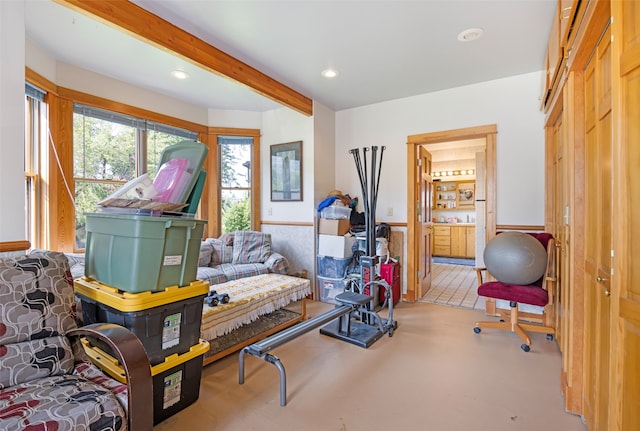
[{"x": 46, "y": 381}]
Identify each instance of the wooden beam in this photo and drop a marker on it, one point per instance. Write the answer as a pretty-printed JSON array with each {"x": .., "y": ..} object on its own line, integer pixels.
[{"x": 140, "y": 23}]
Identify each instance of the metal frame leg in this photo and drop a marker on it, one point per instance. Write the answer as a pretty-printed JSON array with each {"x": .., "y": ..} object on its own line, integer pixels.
[{"x": 283, "y": 376}]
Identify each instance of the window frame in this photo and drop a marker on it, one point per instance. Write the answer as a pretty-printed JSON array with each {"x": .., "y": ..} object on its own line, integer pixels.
[
  {"x": 213, "y": 191},
  {"x": 58, "y": 217},
  {"x": 36, "y": 115}
]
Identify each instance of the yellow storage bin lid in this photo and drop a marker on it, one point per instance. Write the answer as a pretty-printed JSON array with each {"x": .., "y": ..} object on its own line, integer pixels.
[
  {"x": 112, "y": 366},
  {"x": 128, "y": 302}
]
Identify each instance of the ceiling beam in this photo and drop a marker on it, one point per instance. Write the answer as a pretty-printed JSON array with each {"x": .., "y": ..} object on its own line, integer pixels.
[{"x": 150, "y": 28}]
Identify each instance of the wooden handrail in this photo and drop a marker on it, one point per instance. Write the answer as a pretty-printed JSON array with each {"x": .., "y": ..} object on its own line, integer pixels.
[{"x": 14, "y": 246}]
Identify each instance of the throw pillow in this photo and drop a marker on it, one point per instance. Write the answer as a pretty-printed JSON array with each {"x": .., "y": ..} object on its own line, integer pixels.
[
  {"x": 251, "y": 246},
  {"x": 220, "y": 252},
  {"x": 206, "y": 252}
]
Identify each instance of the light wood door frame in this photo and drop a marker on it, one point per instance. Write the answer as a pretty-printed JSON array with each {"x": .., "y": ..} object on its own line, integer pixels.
[{"x": 489, "y": 133}]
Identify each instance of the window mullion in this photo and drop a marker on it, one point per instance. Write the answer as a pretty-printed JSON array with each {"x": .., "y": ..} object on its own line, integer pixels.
[{"x": 141, "y": 151}]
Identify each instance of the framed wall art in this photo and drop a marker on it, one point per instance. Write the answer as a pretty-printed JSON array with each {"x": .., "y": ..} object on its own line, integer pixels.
[{"x": 286, "y": 172}]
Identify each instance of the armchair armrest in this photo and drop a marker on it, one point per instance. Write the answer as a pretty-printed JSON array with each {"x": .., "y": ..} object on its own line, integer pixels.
[
  {"x": 277, "y": 263},
  {"x": 479, "y": 274},
  {"x": 135, "y": 362}
]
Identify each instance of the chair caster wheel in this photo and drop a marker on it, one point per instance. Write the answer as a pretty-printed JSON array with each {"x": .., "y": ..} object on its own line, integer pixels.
[
  {"x": 550, "y": 337},
  {"x": 525, "y": 347},
  {"x": 477, "y": 330}
]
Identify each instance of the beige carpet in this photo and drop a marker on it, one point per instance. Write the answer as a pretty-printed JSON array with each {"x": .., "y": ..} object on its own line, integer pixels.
[
  {"x": 434, "y": 374},
  {"x": 454, "y": 286}
]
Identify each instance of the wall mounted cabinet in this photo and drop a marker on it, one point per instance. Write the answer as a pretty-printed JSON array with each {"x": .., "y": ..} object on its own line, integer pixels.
[{"x": 454, "y": 195}]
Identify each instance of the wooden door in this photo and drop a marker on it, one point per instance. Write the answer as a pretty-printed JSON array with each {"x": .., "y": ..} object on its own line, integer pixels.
[
  {"x": 598, "y": 238},
  {"x": 425, "y": 197},
  {"x": 559, "y": 222},
  {"x": 625, "y": 384},
  {"x": 564, "y": 179}
]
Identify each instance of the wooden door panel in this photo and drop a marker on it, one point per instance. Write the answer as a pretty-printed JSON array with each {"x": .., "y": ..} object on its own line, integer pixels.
[
  {"x": 598, "y": 238},
  {"x": 425, "y": 191},
  {"x": 625, "y": 393}
]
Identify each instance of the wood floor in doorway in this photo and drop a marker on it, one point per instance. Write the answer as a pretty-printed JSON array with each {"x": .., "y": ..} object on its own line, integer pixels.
[{"x": 454, "y": 286}]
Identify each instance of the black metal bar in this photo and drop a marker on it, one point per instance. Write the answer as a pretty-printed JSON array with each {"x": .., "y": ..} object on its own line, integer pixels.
[{"x": 371, "y": 233}]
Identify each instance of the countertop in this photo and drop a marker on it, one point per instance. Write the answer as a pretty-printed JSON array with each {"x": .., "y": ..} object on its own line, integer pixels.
[{"x": 454, "y": 224}]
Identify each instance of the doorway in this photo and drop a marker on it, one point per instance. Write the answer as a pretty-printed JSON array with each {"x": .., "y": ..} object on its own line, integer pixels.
[
  {"x": 420, "y": 226},
  {"x": 458, "y": 209}
]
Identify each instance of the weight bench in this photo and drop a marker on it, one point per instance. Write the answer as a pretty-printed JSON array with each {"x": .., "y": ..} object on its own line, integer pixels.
[{"x": 348, "y": 303}]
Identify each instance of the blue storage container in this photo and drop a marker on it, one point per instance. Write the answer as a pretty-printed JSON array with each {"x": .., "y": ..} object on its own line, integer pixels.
[{"x": 332, "y": 267}]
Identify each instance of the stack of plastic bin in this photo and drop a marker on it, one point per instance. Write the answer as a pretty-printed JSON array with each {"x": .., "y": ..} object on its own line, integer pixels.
[
  {"x": 140, "y": 273},
  {"x": 167, "y": 323}
]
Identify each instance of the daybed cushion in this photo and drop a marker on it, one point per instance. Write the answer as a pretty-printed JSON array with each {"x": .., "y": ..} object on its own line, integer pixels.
[
  {"x": 249, "y": 299},
  {"x": 251, "y": 247}
]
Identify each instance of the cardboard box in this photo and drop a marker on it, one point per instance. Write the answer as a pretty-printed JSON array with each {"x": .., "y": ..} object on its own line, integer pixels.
[
  {"x": 333, "y": 227},
  {"x": 335, "y": 246}
]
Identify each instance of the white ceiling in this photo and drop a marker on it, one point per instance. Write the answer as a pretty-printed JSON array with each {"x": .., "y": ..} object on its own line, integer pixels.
[{"x": 383, "y": 50}]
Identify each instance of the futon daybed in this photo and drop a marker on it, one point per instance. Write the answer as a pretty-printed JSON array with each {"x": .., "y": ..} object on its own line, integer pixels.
[
  {"x": 243, "y": 265},
  {"x": 259, "y": 306}
]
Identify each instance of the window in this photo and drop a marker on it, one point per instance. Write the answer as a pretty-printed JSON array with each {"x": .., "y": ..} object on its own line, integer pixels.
[
  {"x": 235, "y": 154},
  {"x": 34, "y": 162},
  {"x": 110, "y": 149}
]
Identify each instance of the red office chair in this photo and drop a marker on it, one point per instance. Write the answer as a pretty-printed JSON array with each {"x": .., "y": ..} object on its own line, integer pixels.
[{"x": 538, "y": 294}]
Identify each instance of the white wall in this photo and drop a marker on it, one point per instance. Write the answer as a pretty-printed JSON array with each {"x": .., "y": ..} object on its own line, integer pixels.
[
  {"x": 323, "y": 152},
  {"x": 12, "y": 196},
  {"x": 235, "y": 119},
  {"x": 102, "y": 86},
  {"x": 281, "y": 126},
  {"x": 510, "y": 103},
  {"x": 296, "y": 242}
]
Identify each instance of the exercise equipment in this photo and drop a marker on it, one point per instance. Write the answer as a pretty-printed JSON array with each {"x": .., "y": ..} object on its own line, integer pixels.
[
  {"x": 515, "y": 258},
  {"x": 355, "y": 318},
  {"x": 350, "y": 305},
  {"x": 369, "y": 283},
  {"x": 365, "y": 326}
]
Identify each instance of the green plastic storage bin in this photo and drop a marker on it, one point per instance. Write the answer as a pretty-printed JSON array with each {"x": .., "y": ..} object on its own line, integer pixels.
[{"x": 138, "y": 253}]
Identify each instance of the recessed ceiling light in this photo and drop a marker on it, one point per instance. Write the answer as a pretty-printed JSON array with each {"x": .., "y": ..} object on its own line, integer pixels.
[
  {"x": 470, "y": 34},
  {"x": 329, "y": 73},
  {"x": 179, "y": 74}
]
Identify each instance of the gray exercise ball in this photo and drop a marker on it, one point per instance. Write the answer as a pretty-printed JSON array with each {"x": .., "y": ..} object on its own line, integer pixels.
[{"x": 515, "y": 258}]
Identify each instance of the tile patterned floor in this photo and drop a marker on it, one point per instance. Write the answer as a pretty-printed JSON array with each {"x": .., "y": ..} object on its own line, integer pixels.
[{"x": 454, "y": 286}]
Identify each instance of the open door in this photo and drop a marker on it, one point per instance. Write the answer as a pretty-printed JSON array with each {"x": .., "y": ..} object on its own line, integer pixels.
[
  {"x": 425, "y": 198},
  {"x": 420, "y": 192}
]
